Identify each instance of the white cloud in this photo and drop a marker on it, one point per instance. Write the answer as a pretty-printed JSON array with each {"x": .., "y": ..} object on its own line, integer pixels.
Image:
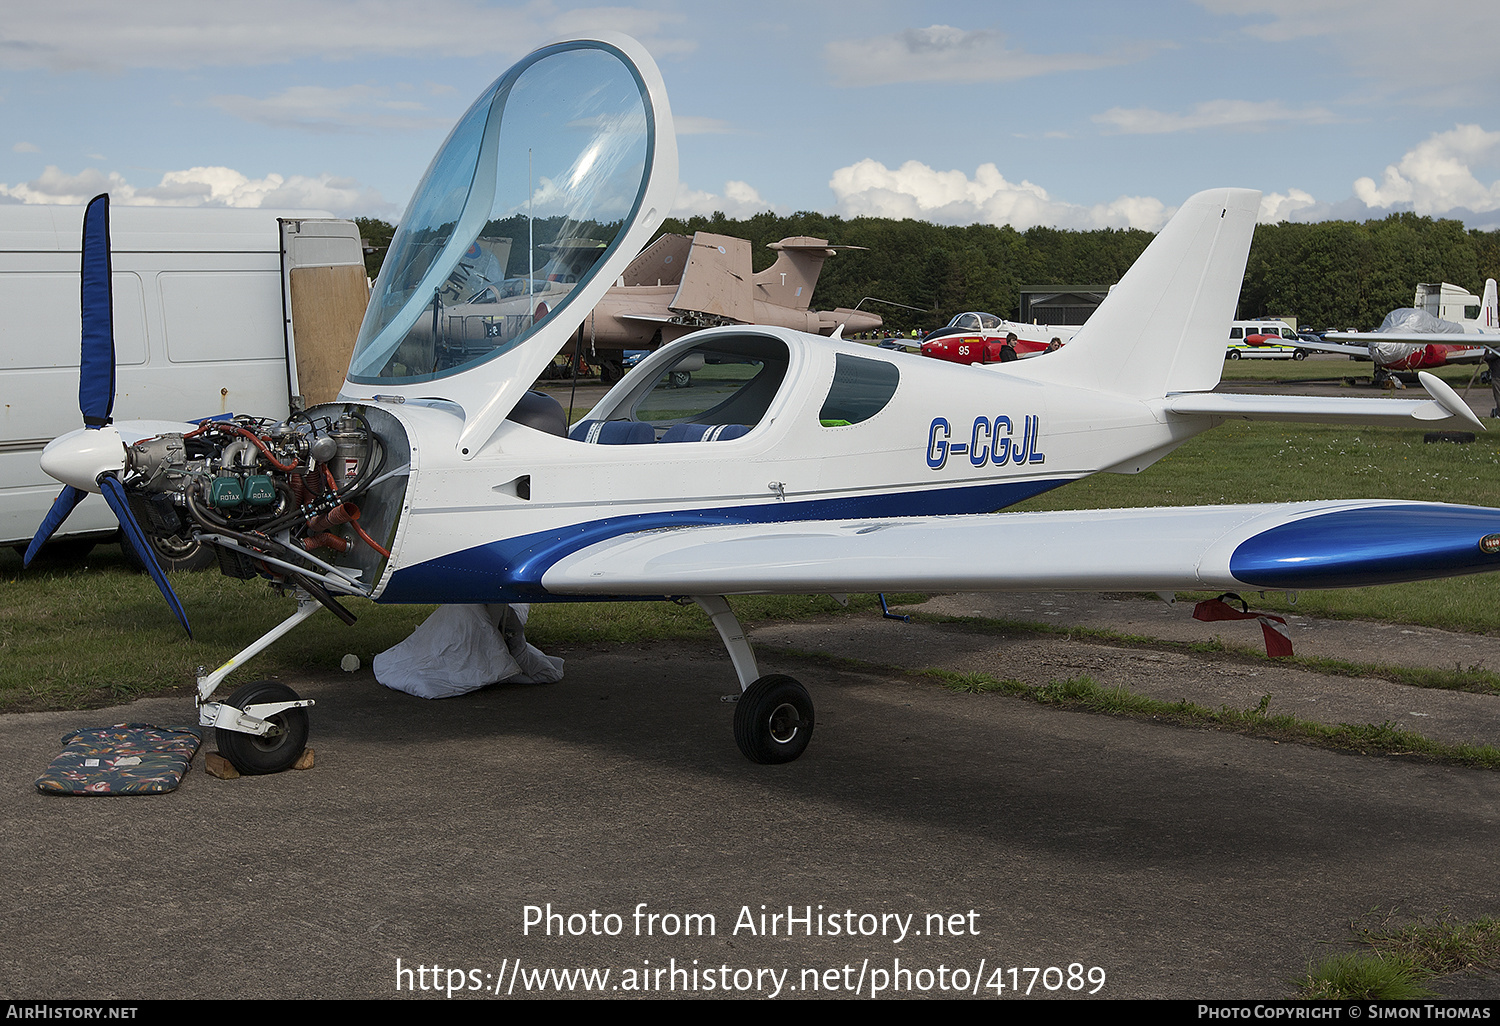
[
  {"x": 1442, "y": 53},
  {"x": 869, "y": 188},
  {"x": 1276, "y": 207},
  {"x": 205, "y": 186},
  {"x": 25, "y": 147},
  {"x": 183, "y": 34},
  {"x": 326, "y": 109},
  {"x": 1436, "y": 176},
  {"x": 1232, "y": 114},
  {"x": 52, "y": 186},
  {"x": 738, "y": 200},
  {"x": 942, "y": 53}
]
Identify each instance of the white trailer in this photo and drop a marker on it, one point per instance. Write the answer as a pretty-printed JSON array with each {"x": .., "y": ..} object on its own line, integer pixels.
[{"x": 216, "y": 310}]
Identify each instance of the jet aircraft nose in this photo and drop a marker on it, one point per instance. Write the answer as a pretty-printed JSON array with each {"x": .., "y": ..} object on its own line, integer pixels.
[{"x": 79, "y": 457}]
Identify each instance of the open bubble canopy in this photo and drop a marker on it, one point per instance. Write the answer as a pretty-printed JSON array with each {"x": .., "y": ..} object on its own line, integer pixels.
[{"x": 534, "y": 190}]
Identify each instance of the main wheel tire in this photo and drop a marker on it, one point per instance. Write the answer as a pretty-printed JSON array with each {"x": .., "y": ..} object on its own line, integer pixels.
[
  {"x": 773, "y": 720},
  {"x": 680, "y": 379},
  {"x": 252, "y": 754}
]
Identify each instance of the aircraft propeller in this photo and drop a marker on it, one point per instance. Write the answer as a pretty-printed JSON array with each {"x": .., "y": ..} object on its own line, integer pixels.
[{"x": 92, "y": 459}]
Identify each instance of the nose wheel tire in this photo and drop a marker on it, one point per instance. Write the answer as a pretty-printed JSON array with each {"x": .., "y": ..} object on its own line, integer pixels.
[
  {"x": 773, "y": 720},
  {"x": 253, "y": 754}
]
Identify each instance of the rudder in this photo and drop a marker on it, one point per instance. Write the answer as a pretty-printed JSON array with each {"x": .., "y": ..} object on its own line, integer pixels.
[{"x": 1164, "y": 327}]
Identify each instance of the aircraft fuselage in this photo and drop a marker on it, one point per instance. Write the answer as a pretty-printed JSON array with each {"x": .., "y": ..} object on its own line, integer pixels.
[{"x": 945, "y": 439}]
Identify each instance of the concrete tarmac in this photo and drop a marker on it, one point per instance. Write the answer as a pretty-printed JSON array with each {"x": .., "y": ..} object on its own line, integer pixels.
[{"x": 999, "y": 835}]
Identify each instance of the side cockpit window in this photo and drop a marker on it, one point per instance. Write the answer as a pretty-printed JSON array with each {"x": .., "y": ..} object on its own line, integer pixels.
[
  {"x": 716, "y": 391},
  {"x": 861, "y": 389}
]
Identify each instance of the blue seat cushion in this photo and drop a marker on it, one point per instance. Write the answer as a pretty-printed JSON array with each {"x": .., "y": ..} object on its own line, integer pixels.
[
  {"x": 613, "y": 432},
  {"x": 704, "y": 432}
]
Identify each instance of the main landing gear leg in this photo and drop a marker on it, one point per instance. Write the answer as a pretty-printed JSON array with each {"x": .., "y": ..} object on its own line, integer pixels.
[
  {"x": 262, "y": 727},
  {"x": 773, "y": 719}
]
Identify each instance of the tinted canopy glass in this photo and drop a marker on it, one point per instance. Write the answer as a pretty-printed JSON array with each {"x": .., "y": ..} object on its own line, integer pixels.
[
  {"x": 861, "y": 388},
  {"x": 535, "y": 185}
]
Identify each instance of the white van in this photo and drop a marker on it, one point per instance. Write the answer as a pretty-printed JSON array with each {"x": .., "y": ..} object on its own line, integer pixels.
[
  {"x": 215, "y": 310},
  {"x": 1239, "y": 349}
]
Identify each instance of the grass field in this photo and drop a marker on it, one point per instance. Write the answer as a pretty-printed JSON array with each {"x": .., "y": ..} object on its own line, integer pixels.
[{"x": 94, "y": 631}]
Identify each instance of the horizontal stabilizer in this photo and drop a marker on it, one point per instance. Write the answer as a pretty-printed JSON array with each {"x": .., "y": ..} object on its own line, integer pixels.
[{"x": 1444, "y": 405}]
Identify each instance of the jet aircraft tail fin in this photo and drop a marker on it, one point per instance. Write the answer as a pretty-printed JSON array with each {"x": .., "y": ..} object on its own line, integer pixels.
[
  {"x": 713, "y": 282},
  {"x": 789, "y": 282},
  {"x": 660, "y": 263},
  {"x": 1164, "y": 327}
]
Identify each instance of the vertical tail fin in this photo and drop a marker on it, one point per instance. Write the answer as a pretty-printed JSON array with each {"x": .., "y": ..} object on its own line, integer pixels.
[
  {"x": 1164, "y": 327},
  {"x": 789, "y": 282},
  {"x": 1489, "y": 309}
]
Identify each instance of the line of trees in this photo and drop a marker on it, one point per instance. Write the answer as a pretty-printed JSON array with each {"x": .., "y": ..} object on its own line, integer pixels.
[{"x": 1341, "y": 274}]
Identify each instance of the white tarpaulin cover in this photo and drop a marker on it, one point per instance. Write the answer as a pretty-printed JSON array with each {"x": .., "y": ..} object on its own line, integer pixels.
[{"x": 459, "y": 649}]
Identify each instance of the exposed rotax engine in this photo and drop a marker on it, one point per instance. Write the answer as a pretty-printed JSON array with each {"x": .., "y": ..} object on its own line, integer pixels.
[{"x": 289, "y": 490}]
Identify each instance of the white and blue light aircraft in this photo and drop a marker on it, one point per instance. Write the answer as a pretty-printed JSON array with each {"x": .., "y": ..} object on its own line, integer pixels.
[{"x": 795, "y": 464}]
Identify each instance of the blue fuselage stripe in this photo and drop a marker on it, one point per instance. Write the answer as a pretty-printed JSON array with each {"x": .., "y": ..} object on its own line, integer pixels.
[{"x": 511, "y": 569}]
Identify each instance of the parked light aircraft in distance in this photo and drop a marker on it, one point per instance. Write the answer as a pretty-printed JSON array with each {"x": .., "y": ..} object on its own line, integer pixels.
[
  {"x": 1412, "y": 344},
  {"x": 814, "y": 465},
  {"x": 975, "y": 337},
  {"x": 680, "y": 284}
]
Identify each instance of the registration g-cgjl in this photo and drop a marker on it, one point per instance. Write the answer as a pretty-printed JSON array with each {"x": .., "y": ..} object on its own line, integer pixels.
[{"x": 998, "y": 441}]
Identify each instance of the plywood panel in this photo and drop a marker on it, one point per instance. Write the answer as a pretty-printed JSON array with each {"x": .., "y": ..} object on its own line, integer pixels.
[{"x": 328, "y": 304}]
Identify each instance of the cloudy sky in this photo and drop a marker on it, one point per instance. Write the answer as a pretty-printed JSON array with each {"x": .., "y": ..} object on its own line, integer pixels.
[{"x": 1075, "y": 114}]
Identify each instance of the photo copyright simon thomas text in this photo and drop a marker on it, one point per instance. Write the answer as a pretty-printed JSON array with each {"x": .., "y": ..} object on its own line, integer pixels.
[
  {"x": 865, "y": 977},
  {"x": 1456, "y": 1008}
]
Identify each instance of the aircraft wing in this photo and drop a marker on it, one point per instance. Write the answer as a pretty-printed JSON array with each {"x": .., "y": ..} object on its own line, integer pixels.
[
  {"x": 1290, "y": 545},
  {"x": 1346, "y": 348},
  {"x": 1363, "y": 339}
]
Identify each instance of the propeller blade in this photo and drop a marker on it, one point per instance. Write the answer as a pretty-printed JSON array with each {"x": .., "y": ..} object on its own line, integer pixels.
[
  {"x": 67, "y": 500},
  {"x": 114, "y": 494},
  {"x": 96, "y": 368},
  {"x": 96, "y": 361}
]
